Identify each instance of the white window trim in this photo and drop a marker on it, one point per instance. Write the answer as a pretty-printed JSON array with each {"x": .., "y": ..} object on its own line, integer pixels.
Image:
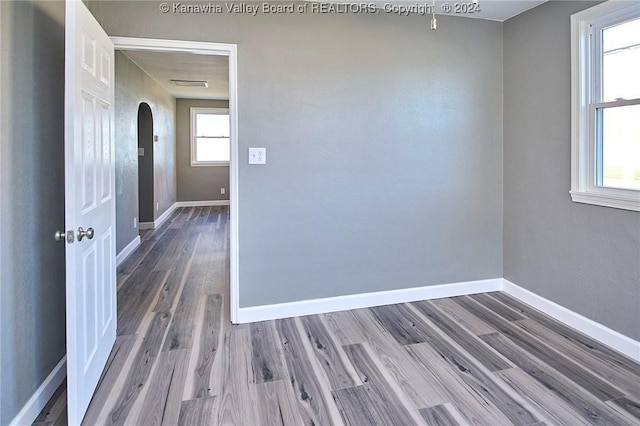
[
  {"x": 583, "y": 188},
  {"x": 193, "y": 112}
]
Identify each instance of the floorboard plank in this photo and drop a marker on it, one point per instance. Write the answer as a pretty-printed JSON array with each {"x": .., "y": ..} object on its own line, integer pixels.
[
  {"x": 147, "y": 264},
  {"x": 276, "y": 405},
  {"x": 438, "y": 415},
  {"x": 544, "y": 399},
  {"x": 162, "y": 405},
  {"x": 334, "y": 363},
  {"x": 233, "y": 386},
  {"x": 133, "y": 307},
  {"x": 357, "y": 407},
  {"x": 414, "y": 381},
  {"x": 618, "y": 377},
  {"x": 377, "y": 388},
  {"x": 177, "y": 276},
  {"x": 400, "y": 322},
  {"x": 106, "y": 385},
  {"x": 630, "y": 407},
  {"x": 481, "y": 383},
  {"x": 498, "y": 308},
  {"x": 475, "y": 347},
  {"x": 470, "y": 322},
  {"x": 129, "y": 265},
  {"x": 311, "y": 402},
  {"x": 588, "y": 406},
  {"x": 181, "y": 331},
  {"x": 266, "y": 356},
  {"x": 544, "y": 353},
  {"x": 344, "y": 328},
  {"x": 195, "y": 412},
  {"x": 209, "y": 342},
  {"x": 474, "y": 406},
  {"x": 144, "y": 362},
  {"x": 579, "y": 339}
]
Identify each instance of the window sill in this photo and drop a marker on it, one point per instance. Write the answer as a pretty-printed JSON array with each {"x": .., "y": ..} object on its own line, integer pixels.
[
  {"x": 616, "y": 201},
  {"x": 214, "y": 164}
]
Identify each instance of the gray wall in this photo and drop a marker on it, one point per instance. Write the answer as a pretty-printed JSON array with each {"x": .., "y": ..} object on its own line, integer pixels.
[
  {"x": 32, "y": 289},
  {"x": 384, "y": 146},
  {"x": 134, "y": 86},
  {"x": 196, "y": 183},
  {"x": 583, "y": 257}
]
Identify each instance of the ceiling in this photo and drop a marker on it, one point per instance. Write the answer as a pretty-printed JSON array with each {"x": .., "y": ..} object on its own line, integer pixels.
[
  {"x": 493, "y": 10},
  {"x": 501, "y": 10},
  {"x": 166, "y": 66}
]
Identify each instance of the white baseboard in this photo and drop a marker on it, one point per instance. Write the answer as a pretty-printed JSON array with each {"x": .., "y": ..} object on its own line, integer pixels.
[
  {"x": 164, "y": 216},
  {"x": 125, "y": 252},
  {"x": 208, "y": 203},
  {"x": 159, "y": 221},
  {"x": 42, "y": 395},
  {"x": 595, "y": 330},
  {"x": 365, "y": 300}
]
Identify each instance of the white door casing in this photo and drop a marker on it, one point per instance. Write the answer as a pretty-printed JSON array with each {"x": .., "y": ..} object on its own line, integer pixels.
[
  {"x": 89, "y": 203},
  {"x": 208, "y": 48}
]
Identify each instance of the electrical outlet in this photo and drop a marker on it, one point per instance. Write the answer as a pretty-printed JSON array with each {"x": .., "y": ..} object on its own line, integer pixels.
[
  {"x": 257, "y": 155},
  {"x": 223, "y": 191},
  {"x": 135, "y": 222}
]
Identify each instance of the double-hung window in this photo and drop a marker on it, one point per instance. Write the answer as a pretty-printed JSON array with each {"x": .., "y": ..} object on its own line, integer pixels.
[
  {"x": 605, "y": 167},
  {"x": 210, "y": 138}
]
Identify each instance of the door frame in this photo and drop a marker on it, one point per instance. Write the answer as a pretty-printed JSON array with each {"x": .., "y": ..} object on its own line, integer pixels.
[{"x": 221, "y": 49}]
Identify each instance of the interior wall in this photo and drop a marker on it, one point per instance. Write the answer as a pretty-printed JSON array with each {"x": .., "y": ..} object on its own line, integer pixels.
[
  {"x": 384, "y": 146},
  {"x": 583, "y": 257},
  {"x": 134, "y": 86},
  {"x": 32, "y": 263},
  {"x": 199, "y": 183}
]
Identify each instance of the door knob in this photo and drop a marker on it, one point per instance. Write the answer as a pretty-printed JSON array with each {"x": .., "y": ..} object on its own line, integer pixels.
[
  {"x": 62, "y": 236},
  {"x": 82, "y": 233}
]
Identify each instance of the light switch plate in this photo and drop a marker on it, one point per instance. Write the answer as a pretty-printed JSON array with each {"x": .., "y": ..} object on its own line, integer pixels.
[
  {"x": 140, "y": 152},
  {"x": 257, "y": 155}
]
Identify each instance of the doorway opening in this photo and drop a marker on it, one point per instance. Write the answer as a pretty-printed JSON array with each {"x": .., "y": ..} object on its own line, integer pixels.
[
  {"x": 198, "y": 50},
  {"x": 145, "y": 164}
]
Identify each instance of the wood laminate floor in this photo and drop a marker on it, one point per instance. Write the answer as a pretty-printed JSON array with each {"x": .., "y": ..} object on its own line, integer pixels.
[{"x": 485, "y": 359}]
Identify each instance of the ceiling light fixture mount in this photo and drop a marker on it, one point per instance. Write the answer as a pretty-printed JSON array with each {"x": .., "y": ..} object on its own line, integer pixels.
[
  {"x": 190, "y": 83},
  {"x": 434, "y": 22},
  {"x": 447, "y": 8}
]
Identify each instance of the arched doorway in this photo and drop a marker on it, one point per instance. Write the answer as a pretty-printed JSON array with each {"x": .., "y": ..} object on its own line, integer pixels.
[{"x": 145, "y": 163}]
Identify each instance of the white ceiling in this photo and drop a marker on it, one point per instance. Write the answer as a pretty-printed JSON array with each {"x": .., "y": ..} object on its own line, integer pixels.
[
  {"x": 166, "y": 66},
  {"x": 499, "y": 10},
  {"x": 493, "y": 10}
]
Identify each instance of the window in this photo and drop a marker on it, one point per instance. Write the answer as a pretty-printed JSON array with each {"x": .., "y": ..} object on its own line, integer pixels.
[
  {"x": 605, "y": 120},
  {"x": 210, "y": 137}
]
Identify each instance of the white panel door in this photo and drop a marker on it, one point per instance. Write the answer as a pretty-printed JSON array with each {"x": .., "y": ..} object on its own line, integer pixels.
[{"x": 89, "y": 205}]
